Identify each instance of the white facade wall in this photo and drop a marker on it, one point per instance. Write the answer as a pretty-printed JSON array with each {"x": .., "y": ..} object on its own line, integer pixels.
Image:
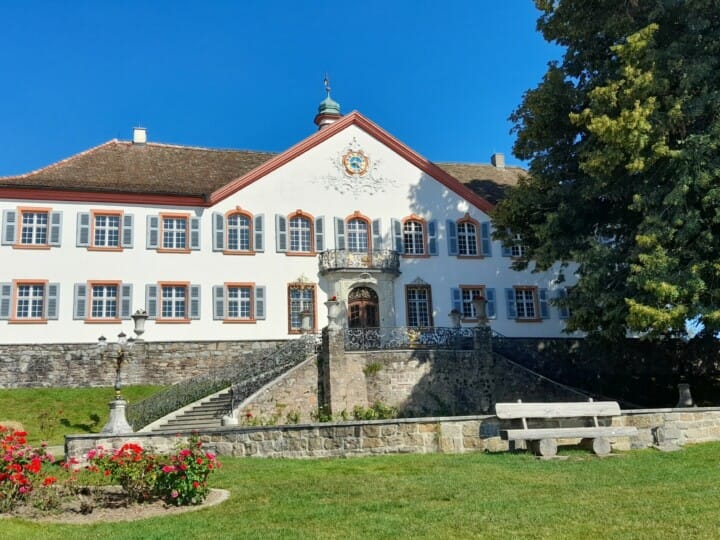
[{"x": 308, "y": 183}]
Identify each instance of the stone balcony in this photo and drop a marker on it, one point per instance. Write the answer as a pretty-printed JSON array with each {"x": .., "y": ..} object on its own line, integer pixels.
[{"x": 341, "y": 260}]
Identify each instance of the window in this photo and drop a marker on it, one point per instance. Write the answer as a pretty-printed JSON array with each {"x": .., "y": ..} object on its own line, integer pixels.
[
  {"x": 238, "y": 232},
  {"x": 527, "y": 303},
  {"x": 516, "y": 250},
  {"x": 301, "y": 298},
  {"x": 238, "y": 302},
  {"x": 31, "y": 228},
  {"x": 463, "y": 296},
  {"x": 104, "y": 230},
  {"x": 469, "y": 238},
  {"x": 357, "y": 235},
  {"x": 299, "y": 234},
  {"x": 419, "y": 305},
  {"x": 173, "y": 301},
  {"x": 414, "y": 237},
  {"x": 102, "y": 301},
  {"x": 29, "y": 301},
  {"x": 353, "y": 233},
  {"x": 177, "y": 233}
]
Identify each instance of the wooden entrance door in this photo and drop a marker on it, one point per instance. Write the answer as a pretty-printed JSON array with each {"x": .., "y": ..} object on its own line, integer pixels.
[{"x": 363, "y": 308}]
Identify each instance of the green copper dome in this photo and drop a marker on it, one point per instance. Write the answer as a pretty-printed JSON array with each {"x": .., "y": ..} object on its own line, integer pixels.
[{"x": 329, "y": 106}]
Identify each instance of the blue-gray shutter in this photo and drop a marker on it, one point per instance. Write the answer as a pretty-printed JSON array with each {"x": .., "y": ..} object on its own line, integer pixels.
[
  {"x": 456, "y": 299},
  {"x": 432, "y": 237},
  {"x": 485, "y": 243},
  {"x": 5, "y": 300},
  {"x": 218, "y": 231},
  {"x": 563, "y": 309},
  {"x": 544, "y": 308},
  {"x": 194, "y": 301},
  {"x": 128, "y": 220},
  {"x": 377, "y": 234},
  {"x": 80, "y": 303},
  {"x": 218, "y": 302},
  {"x": 260, "y": 303},
  {"x": 126, "y": 300},
  {"x": 320, "y": 234},
  {"x": 151, "y": 301},
  {"x": 451, "y": 227},
  {"x": 194, "y": 233},
  {"x": 339, "y": 233},
  {"x": 280, "y": 233},
  {"x": 490, "y": 305},
  {"x": 9, "y": 232},
  {"x": 397, "y": 234},
  {"x": 506, "y": 251},
  {"x": 55, "y": 229},
  {"x": 82, "y": 235},
  {"x": 510, "y": 303},
  {"x": 153, "y": 232},
  {"x": 51, "y": 301},
  {"x": 260, "y": 233}
]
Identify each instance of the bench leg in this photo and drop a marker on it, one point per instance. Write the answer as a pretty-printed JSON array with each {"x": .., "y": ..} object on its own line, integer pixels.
[
  {"x": 544, "y": 447},
  {"x": 599, "y": 445}
]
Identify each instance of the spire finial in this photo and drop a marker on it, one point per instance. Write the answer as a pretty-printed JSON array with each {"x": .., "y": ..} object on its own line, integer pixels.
[{"x": 327, "y": 84}]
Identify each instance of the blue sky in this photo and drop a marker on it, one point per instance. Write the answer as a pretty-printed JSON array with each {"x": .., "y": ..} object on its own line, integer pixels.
[{"x": 443, "y": 77}]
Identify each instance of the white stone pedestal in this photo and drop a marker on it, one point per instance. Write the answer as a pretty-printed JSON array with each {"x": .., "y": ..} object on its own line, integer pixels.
[{"x": 118, "y": 424}]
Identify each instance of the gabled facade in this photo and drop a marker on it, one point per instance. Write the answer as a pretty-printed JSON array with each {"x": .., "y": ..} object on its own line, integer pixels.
[{"x": 235, "y": 245}]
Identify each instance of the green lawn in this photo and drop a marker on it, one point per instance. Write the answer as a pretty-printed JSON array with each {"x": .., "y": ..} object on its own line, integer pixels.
[
  {"x": 643, "y": 494},
  {"x": 51, "y": 413}
]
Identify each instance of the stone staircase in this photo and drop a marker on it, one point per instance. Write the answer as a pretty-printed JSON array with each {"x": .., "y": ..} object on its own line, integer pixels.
[{"x": 206, "y": 414}]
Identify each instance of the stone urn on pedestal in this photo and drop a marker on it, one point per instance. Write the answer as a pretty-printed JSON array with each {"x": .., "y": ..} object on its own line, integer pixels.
[{"x": 333, "y": 307}]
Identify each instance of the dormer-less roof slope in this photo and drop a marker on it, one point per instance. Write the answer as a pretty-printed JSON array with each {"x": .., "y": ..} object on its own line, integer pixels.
[
  {"x": 121, "y": 166},
  {"x": 120, "y": 171}
]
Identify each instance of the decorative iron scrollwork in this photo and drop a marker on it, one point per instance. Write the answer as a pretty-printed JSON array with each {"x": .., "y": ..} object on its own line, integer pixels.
[{"x": 368, "y": 339}]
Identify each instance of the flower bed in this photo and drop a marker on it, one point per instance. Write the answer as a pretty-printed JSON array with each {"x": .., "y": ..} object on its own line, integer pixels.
[{"x": 31, "y": 483}]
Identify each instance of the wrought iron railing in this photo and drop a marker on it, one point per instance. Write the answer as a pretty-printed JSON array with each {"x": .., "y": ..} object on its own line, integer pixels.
[
  {"x": 369, "y": 339},
  {"x": 245, "y": 376},
  {"x": 384, "y": 260}
]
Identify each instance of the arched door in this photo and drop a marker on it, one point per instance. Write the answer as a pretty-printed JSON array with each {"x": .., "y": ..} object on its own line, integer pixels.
[{"x": 363, "y": 308}]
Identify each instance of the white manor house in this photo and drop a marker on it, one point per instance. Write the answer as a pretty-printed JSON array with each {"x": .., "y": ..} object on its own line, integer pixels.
[{"x": 239, "y": 245}]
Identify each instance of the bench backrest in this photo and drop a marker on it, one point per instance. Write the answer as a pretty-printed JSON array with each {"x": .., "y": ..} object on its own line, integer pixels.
[{"x": 557, "y": 410}]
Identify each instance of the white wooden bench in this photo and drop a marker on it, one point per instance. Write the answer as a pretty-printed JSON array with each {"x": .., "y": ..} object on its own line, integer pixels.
[{"x": 543, "y": 440}]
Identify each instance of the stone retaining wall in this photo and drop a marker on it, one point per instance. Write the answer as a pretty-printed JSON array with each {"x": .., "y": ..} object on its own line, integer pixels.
[
  {"x": 159, "y": 363},
  {"x": 419, "y": 435}
]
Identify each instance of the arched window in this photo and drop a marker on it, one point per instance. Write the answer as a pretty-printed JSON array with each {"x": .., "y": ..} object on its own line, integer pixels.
[
  {"x": 357, "y": 235},
  {"x": 467, "y": 239},
  {"x": 414, "y": 237},
  {"x": 300, "y": 234},
  {"x": 239, "y": 232}
]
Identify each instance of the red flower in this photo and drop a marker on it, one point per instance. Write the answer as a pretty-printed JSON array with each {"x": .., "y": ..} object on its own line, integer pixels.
[
  {"x": 196, "y": 484},
  {"x": 50, "y": 480},
  {"x": 34, "y": 465}
]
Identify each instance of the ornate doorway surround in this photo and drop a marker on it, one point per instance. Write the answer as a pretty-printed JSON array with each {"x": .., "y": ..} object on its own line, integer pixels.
[{"x": 363, "y": 308}]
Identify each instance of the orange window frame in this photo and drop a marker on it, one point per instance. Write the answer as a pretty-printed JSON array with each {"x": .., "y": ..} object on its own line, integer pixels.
[
  {"x": 311, "y": 220},
  {"x": 19, "y": 225},
  {"x": 476, "y": 224},
  {"x": 423, "y": 223},
  {"x": 93, "y": 214},
  {"x": 161, "y": 233},
  {"x": 368, "y": 224},
  {"x": 173, "y": 320},
  {"x": 428, "y": 288},
  {"x": 298, "y": 285},
  {"x": 237, "y": 320},
  {"x": 103, "y": 320},
  {"x": 16, "y": 284},
  {"x": 536, "y": 303},
  {"x": 240, "y": 212}
]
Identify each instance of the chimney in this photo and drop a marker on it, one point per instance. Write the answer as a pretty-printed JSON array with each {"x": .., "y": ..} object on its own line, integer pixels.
[
  {"x": 498, "y": 160},
  {"x": 139, "y": 135}
]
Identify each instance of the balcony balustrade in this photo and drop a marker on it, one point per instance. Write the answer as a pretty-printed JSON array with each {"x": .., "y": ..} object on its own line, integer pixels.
[{"x": 383, "y": 260}]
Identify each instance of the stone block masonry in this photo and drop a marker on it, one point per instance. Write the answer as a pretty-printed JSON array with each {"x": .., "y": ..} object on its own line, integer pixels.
[
  {"x": 454, "y": 435},
  {"x": 154, "y": 363}
]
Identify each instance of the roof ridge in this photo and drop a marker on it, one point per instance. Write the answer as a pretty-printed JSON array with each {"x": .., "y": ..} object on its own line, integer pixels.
[
  {"x": 62, "y": 161},
  {"x": 479, "y": 164},
  {"x": 203, "y": 148}
]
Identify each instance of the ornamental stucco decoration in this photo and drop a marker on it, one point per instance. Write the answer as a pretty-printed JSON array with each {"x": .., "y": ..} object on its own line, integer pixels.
[{"x": 356, "y": 173}]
